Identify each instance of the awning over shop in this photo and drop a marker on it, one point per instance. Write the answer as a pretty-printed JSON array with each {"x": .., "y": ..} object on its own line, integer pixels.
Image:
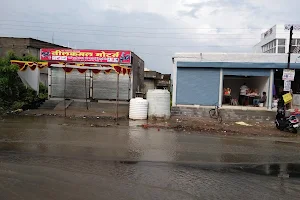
[{"x": 68, "y": 67}]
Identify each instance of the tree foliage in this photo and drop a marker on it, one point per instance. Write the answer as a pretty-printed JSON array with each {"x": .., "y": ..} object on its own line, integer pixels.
[{"x": 13, "y": 93}]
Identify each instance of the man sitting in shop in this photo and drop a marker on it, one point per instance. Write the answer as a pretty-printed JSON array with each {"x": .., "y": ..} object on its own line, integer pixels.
[
  {"x": 262, "y": 100},
  {"x": 243, "y": 92}
]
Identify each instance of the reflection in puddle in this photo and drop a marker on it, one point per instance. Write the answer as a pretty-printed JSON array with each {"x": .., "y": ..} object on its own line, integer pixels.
[{"x": 282, "y": 170}]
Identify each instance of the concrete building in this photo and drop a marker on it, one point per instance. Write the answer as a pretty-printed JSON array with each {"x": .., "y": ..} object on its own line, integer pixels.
[
  {"x": 199, "y": 78},
  {"x": 26, "y": 46},
  {"x": 156, "y": 80},
  {"x": 150, "y": 80},
  {"x": 276, "y": 40},
  {"x": 164, "y": 82},
  {"x": 104, "y": 85}
]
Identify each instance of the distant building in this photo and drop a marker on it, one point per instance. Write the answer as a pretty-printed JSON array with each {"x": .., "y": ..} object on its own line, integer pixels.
[
  {"x": 276, "y": 40},
  {"x": 156, "y": 80},
  {"x": 164, "y": 82},
  {"x": 26, "y": 46}
]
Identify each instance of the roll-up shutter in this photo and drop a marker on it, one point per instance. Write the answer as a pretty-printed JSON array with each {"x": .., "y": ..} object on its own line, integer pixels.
[
  {"x": 75, "y": 84},
  {"x": 105, "y": 86},
  {"x": 199, "y": 86}
]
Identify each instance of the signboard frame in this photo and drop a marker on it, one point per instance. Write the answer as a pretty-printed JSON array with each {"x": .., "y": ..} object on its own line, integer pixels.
[
  {"x": 288, "y": 75},
  {"x": 86, "y": 55}
]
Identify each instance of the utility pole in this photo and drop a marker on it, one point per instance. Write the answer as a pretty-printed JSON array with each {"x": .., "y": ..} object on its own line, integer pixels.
[
  {"x": 290, "y": 46},
  {"x": 53, "y": 38}
]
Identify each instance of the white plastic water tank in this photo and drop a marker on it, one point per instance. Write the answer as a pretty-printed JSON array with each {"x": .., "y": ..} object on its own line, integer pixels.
[
  {"x": 138, "y": 108},
  {"x": 159, "y": 103}
]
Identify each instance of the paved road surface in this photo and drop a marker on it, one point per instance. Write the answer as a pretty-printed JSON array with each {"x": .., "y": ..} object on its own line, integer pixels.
[{"x": 56, "y": 158}]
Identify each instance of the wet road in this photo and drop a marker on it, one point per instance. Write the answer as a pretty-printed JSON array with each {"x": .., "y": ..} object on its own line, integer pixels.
[{"x": 56, "y": 158}]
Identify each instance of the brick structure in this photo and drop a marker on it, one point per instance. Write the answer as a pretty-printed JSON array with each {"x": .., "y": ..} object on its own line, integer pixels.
[
  {"x": 26, "y": 46},
  {"x": 227, "y": 114}
]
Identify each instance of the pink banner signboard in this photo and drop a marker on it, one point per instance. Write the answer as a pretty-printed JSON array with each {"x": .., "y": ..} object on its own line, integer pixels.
[{"x": 95, "y": 56}]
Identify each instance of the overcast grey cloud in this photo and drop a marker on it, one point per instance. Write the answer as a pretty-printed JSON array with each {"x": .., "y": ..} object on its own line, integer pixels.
[{"x": 154, "y": 30}]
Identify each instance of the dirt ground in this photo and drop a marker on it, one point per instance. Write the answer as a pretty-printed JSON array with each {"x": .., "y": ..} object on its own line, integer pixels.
[
  {"x": 228, "y": 128},
  {"x": 195, "y": 125}
]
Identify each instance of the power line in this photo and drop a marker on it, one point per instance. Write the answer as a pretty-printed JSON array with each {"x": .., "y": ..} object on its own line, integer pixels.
[
  {"x": 132, "y": 36},
  {"x": 142, "y": 45},
  {"x": 165, "y": 28},
  {"x": 140, "y": 52},
  {"x": 129, "y": 32},
  {"x": 152, "y": 45}
]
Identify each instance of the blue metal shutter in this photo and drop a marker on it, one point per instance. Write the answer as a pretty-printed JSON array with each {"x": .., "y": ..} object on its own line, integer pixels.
[
  {"x": 199, "y": 86},
  {"x": 247, "y": 72}
]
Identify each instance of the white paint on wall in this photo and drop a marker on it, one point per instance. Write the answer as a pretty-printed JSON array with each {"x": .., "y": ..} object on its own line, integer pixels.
[
  {"x": 174, "y": 95},
  {"x": 221, "y": 88},
  {"x": 270, "y": 94},
  {"x": 234, "y": 57}
]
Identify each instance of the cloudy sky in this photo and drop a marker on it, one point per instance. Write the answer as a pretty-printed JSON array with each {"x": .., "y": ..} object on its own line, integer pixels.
[{"x": 154, "y": 30}]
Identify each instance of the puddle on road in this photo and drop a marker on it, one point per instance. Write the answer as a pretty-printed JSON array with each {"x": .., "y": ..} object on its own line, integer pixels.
[
  {"x": 281, "y": 170},
  {"x": 150, "y": 158},
  {"x": 45, "y": 136}
]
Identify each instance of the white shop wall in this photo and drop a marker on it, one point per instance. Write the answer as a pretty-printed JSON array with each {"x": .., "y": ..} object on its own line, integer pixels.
[{"x": 235, "y": 82}]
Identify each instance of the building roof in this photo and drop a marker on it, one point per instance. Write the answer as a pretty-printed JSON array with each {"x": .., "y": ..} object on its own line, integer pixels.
[
  {"x": 236, "y": 57},
  {"x": 35, "y": 43},
  {"x": 236, "y": 60}
]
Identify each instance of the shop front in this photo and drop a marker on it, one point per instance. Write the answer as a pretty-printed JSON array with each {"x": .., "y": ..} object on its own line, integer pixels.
[
  {"x": 89, "y": 75},
  {"x": 254, "y": 82},
  {"x": 244, "y": 80}
]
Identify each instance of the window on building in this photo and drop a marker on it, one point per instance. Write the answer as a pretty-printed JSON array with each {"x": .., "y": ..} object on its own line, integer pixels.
[
  {"x": 281, "y": 42},
  {"x": 273, "y": 43},
  {"x": 269, "y": 47},
  {"x": 281, "y": 49},
  {"x": 295, "y": 43}
]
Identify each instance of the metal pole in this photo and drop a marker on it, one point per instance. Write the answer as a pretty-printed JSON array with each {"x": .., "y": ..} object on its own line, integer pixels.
[
  {"x": 117, "y": 100},
  {"x": 65, "y": 87},
  {"x": 290, "y": 46},
  {"x": 87, "y": 106}
]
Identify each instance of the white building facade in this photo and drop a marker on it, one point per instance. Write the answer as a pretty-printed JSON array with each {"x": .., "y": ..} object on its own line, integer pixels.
[{"x": 277, "y": 38}]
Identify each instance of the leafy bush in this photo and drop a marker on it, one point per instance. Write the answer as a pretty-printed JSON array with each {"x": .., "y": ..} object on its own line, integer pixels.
[{"x": 13, "y": 93}]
